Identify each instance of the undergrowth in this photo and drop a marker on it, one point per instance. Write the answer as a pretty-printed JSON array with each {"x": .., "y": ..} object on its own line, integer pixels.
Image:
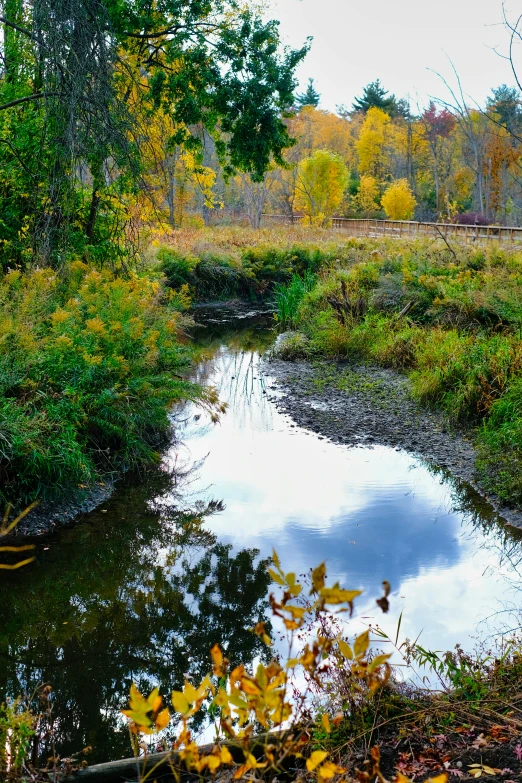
[
  {"x": 89, "y": 365},
  {"x": 227, "y": 263},
  {"x": 453, "y": 322}
]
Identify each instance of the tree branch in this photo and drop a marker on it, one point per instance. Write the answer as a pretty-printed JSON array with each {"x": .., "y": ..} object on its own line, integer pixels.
[
  {"x": 37, "y": 96},
  {"x": 22, "y": 30}
]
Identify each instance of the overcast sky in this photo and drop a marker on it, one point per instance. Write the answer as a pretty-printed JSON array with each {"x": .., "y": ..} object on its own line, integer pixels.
[{"x": 398, "y": 41}]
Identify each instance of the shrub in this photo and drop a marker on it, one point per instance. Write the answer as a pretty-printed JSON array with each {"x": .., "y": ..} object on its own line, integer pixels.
[
  {"x": 398, "y": 200},
  {"x": 89, "y": 366}
]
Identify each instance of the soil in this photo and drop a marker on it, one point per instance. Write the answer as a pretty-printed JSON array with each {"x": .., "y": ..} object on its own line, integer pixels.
[
  {"x": 367, "y": 406},
  {"x": 48, "y": 516}
]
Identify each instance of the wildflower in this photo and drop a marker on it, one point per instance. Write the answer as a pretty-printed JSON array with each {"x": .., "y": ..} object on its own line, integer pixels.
[
  {"x": 59, "y": 316},
  {"x": 96, "y": 326}
]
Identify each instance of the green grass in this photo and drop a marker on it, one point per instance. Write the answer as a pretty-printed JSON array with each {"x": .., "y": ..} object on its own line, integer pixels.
[
  {"x": 288, "y": 298},
  {"x": 454, "y": 326}
]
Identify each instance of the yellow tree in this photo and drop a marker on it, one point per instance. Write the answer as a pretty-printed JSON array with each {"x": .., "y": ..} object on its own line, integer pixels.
[
  {"x": 398, "y": 201},
  {"x": 314, "y": 130},
  {"x": 367, "y": 197},
  {"x": 321, "y": 181},
  {"x": 372, "y": 144}
]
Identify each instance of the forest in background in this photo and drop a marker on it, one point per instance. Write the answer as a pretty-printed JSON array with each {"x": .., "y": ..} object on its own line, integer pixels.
[{"x": 447, "y": 162}]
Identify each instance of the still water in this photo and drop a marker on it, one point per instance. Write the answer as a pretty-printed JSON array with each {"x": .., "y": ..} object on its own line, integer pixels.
[{"x": 176, "y": 559}]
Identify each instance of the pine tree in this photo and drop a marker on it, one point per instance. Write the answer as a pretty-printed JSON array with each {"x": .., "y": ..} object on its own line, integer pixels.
[
  {"x": 375, "y": 96},
  {"x": 505, "y": 102},
  {"x": 310, "y": 97}
]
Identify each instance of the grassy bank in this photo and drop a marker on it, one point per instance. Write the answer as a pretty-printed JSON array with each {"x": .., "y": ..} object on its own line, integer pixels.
[
  {"x": 452, "y": 319},
  {"x": 233, "y": 262},
  {"x": 90, "y": 364}
]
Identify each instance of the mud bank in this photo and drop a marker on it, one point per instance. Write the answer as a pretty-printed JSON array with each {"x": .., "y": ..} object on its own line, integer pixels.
[{"x": 363, "y": 406}]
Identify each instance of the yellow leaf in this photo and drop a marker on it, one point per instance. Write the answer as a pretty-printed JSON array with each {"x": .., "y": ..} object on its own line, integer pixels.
[
  {"x": 252, "y": 762},
  {"x": 249, "y": 687},
  {"x": 336, "y": 595},
  {"x": 162, "y": 721},
  {"x": 329, "y": 769},
  {"x": 275, "y": 558},
  {"x": 315, "y": 759},
  {"x": 226, "y": 756},
  {"x": 337, "y": 719},
  {"x": 276, "y": 578},
  {"x": 261, "y": 632},
  {"x": 180, "y": 703},
  {"x": 217, "y": 659},
  {"x": 378, "y": 661},
  {"x": 139, "y": 718},
  {"x": 400, "y": 778},
  {"x": 190, "y": 693},
  {"x": 325, "y": 720},
  {"x": 296, "y": 611},
  {"x": 439, "y": 779},
  {"x": 346, "y": 650},
  {"x": 318, "y": 575},
  {"x": 361, "y": 644}
]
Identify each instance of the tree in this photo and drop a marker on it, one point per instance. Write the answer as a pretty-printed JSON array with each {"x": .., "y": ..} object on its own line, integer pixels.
[
  {"x": 321, "y": 181},
  {"x": 310, "y": 97},
  {"x": 368, "y": 193},
  {"x": 398, "y": 201},
  {"x": 255, "y": 195},
  {"x": 375, "y": 96},
  {"x": 505, "y": 103},
  {"x": 438, "y": 125},
  {"x": 214, "y": 64},
  {"x": 372, "y": 143}
]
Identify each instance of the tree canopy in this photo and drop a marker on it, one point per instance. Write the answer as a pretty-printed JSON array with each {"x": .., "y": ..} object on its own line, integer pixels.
[
  {"x": 310, "y": 97},
  {"x": 71, "y": 68},
  {"x": 375, "y": 96}
]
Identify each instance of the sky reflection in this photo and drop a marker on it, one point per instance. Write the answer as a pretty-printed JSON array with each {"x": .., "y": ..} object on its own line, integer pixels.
[{"x": 370, "y": 513}]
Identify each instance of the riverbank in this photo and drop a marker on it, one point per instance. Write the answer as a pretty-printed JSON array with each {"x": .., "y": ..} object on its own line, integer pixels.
[
  {"x": 358, "y": 405},
  {"x": 91, "y": 366},
  {"x": 448, "y": 318}
]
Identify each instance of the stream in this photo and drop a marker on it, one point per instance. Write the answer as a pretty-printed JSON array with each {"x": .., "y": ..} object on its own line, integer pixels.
[{"x": 176, "y": 559}]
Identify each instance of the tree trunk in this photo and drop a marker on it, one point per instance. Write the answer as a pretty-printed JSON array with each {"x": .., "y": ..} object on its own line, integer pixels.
[{"x": 93, "y": 212}]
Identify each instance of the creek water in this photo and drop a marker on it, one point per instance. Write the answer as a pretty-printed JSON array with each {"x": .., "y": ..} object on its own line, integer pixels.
[{"x": 176, "y": 559}]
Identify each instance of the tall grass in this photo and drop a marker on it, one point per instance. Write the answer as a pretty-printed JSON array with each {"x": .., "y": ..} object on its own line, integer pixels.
[
  {"x": 455, "y": 325},
  {"x": 288, "y": 298}
]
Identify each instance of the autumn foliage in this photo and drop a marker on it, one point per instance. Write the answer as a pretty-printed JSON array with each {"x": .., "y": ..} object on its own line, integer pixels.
[
  {"x": 398, "y": 201},
  {"x": 321, "y": 181},
  {"x": 268, "y": 697}
]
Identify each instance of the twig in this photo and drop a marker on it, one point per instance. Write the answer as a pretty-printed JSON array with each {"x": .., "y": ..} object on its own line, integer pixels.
[{"x": 446, "y": 242}]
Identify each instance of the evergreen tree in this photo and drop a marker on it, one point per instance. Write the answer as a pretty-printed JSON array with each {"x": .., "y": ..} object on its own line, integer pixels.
[
  {"x": 310, "y": 97},
  {"x": 505, "y": 102},
  {"x": 375, "y": 96}
]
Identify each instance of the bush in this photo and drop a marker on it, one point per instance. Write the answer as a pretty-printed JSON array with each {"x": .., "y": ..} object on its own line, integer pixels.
[{"x": 89, "y": 367}]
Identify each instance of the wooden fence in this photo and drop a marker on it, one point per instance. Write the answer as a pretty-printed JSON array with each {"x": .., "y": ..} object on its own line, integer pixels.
[{"x": 410, "y": 228}]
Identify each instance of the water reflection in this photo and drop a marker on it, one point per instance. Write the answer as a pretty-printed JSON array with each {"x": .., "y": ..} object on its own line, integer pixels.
[
  {"x": 371, "y": 513},
  {"x": 134, "y": 593},
  {"x": 171, "y": 564}
]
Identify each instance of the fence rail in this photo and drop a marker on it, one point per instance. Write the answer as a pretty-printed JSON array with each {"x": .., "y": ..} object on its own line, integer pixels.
[{"x": 410, "y": 228}]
